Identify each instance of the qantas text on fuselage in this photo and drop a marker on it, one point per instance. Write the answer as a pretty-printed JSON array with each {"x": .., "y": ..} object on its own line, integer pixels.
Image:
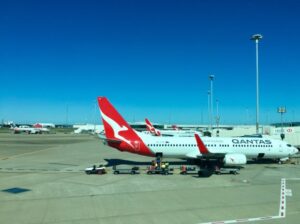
[{"x": 251, "y": 141}]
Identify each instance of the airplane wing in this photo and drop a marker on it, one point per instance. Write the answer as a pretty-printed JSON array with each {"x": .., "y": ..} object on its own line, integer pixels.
[{"x": 228, "y": 158}]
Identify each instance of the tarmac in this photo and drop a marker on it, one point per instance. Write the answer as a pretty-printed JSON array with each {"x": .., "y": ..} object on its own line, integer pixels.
[{"x": 42, "y": 180}]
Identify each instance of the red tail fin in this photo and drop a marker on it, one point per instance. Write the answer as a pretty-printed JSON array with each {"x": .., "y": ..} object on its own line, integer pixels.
[
  {"x": 151, "y": 128},
  {"x": 118, "y": 130},
  {"x": 114, "y": 124}
]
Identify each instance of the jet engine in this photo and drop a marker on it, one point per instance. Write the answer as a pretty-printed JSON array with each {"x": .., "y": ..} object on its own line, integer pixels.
[{"x": 234, "y": 159}]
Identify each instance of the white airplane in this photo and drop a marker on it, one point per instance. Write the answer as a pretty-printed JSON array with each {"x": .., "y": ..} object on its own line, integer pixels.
[
  {"x": 29, "y": 130},
  {"x": 176, "y": 132},
  {"x": 40, "y": 128},
  {"x": 221, "y": 151}
]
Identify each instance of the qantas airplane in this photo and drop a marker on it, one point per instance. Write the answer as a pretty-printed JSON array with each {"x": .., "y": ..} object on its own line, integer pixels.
[
  {"x": 176, "y": 132},
  {"x": 226, "y": 151}
]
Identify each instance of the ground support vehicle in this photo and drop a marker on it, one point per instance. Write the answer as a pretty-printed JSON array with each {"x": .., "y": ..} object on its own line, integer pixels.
[
  {"x": 96, "y": 170},
  {"x": 158, "y": 170},
  {"x": 188, "y": 170},
  {"x": 207, "y": 172},
  {"x": 227, "y": 171},
  {"x": 126, "y": 170}
]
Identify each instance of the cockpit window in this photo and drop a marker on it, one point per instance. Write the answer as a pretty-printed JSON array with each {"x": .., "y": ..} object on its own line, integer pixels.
[{"x": 289, "y": 145}]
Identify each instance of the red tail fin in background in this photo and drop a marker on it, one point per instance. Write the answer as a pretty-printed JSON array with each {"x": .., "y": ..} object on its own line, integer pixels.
[
  {"x": 174, "y": 126},
  {"x": 151, "y": 128}
]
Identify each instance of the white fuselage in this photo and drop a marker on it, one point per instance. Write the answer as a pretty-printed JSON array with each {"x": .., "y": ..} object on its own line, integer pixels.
[
  {"x": 175, "y": 133},
  {"x": 186, "y": 147}
]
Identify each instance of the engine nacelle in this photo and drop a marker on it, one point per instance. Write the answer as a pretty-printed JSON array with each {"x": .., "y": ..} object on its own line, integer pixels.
[
  {"x": 284, "y": 159},
  {"x": 235, "y": 159}
]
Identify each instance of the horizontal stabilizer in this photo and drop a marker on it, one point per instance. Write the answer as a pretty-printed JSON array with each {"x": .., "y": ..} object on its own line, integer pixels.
[{"x": 110, "y": 140}]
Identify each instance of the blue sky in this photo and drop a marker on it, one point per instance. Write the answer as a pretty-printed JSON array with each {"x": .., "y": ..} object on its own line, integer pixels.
[{"x": 150, "y": 58}]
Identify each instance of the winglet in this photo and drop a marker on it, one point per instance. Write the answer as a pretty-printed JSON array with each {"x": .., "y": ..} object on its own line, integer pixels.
[{"x": 202, "y": 148}]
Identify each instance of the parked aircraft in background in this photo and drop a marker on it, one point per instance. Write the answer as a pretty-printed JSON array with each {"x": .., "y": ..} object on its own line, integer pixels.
[
  {"x": 206, "y": 150},
  {"x": 29, "y": 130},
  {"x": 174, "y": 127},
  {"x": 89, "y": 128},
  {"x": 151, "y": 128},
  {"x": 41, "y": 128},
  {"x": 44, "y": 125},
  {"x": 175, "y": 132}
]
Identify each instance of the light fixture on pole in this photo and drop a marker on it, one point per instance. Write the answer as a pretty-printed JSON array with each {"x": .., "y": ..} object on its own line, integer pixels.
[{"x": 257, "y": 37}]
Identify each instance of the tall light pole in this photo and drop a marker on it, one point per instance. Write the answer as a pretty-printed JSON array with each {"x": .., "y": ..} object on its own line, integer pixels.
[
  {"x": 217, "y": 114},
  {"x": 211, "y": 78},
  {"x": 257, "y": 37},
  {"x": 217, "y": 118},
  {"x": 209, "y": 108}
]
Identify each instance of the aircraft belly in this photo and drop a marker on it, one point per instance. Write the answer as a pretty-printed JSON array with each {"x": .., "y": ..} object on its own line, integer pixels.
[{"x": 170, "y": 152}]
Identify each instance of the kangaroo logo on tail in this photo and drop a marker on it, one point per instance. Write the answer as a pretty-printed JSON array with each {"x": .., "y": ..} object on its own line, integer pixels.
[
  {"x": 118, "y": 132},
  {"x": 116, "y": 128}
]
